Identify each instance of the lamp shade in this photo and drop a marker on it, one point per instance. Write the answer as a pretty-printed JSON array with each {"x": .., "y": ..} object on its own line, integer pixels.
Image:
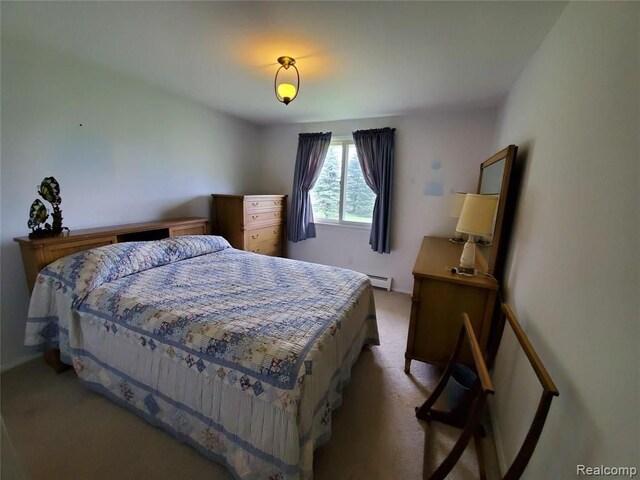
[
  {"x": 478, "y": 211},
  {"x": 286, "y": 90},
  {"x": 457, "y": 200}
]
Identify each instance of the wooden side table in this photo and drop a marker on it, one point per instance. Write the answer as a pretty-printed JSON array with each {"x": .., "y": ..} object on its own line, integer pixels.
[{"x": 439, "y": 299}]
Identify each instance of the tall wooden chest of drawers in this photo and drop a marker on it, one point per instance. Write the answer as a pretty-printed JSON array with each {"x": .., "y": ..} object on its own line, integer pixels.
[{"x": 255, "y": 223}]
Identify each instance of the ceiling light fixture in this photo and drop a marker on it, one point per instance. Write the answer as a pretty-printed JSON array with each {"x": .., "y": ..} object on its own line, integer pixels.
[{"x": 285, "y": 90}]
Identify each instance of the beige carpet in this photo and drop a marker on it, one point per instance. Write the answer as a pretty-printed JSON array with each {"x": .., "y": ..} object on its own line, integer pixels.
[{"x": 61, "y": 430}]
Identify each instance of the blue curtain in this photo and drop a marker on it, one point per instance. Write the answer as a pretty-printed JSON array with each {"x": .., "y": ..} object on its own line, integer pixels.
[
  {"x": 312, "y": 150},
  {"x": 376, "y": 155}
]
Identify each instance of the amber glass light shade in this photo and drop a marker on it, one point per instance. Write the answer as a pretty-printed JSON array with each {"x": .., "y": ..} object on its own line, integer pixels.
[{"x": 285, "y": 91}]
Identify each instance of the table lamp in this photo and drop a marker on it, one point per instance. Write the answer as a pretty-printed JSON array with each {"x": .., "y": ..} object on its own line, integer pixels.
[
  {"x": 476, "y": 218},
  {"x": 457, "y": 201}
]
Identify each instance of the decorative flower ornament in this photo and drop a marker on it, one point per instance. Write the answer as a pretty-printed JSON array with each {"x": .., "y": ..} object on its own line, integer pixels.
[
  {"x": 49, "y": 189},
  {"x": 37, "y": 214}
]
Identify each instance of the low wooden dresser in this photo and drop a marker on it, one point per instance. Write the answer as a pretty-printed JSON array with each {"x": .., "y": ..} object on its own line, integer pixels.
[
  {"x": 37, "y": 253},
  {"x": 255, "y": 223},
  {"x": 439, "y": 299}
]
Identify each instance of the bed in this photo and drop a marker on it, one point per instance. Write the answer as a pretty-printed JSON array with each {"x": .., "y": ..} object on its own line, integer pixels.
[{"x": 240, "y": 355}]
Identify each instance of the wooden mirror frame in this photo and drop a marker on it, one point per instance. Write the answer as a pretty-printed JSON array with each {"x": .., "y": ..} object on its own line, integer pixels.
[{"x": 509, "y": 155}]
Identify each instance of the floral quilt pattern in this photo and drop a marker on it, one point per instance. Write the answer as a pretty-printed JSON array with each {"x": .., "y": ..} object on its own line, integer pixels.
[
  {"x": 242, "y": 311},
  {"x": 244, "y": 327}
]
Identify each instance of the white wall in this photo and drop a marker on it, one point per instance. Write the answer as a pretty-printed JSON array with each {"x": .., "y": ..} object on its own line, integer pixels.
[
  {"x": 141, "y": 154},
  {"x": 457, "y": 141},
  {"x": 572, "y": 276}
]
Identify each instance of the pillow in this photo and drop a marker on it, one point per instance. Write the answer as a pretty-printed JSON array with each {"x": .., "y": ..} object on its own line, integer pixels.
[{"x": 86, "y": 270}]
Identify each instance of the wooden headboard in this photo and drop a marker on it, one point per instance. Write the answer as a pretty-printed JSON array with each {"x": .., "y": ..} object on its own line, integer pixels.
[{"x": 37, "y": 253}]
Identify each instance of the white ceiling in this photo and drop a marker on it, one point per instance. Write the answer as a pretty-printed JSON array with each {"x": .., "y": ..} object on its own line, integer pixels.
[{"x": 356, "y": 59}]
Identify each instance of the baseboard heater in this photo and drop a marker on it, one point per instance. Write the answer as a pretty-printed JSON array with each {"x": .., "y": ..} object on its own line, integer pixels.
[{"x": 380, "y": 282}]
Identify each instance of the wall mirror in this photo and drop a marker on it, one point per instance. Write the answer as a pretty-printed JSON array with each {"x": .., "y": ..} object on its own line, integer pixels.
[{"x": 495, "y": 174}]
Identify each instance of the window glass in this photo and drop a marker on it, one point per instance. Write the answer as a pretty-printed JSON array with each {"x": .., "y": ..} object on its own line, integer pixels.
[
  {"x": 341, "y": 195},
  {"x": 358, "y": 197},
  {"x": 325, "y": 195}
]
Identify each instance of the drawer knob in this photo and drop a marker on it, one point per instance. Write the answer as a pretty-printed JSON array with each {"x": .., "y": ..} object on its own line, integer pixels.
[
  {"x": 276, "y": 203},
  {"x": 255, "y": 204},
  {"x": 276, "y": 214},
  {"x": 255, "y": 217},
  {"x": 255, "y": 236}
]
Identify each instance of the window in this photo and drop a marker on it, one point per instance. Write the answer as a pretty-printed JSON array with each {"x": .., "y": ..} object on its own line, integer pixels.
[{"x": 341, "y": 195}]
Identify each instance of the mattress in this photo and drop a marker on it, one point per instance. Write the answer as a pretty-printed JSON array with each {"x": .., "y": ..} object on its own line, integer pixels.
[{"x": 240, "y": 355}]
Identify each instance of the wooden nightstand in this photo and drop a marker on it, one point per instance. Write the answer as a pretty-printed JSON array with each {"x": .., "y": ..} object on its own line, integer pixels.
[{"x": 439, "y": 299}]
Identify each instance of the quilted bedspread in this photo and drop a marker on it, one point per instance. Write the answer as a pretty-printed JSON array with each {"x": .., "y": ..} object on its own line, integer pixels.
[{"x": 243, "y": 356}]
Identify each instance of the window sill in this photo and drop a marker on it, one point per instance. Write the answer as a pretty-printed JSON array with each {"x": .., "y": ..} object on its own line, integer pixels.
[{"x": 343, "y": 225}]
